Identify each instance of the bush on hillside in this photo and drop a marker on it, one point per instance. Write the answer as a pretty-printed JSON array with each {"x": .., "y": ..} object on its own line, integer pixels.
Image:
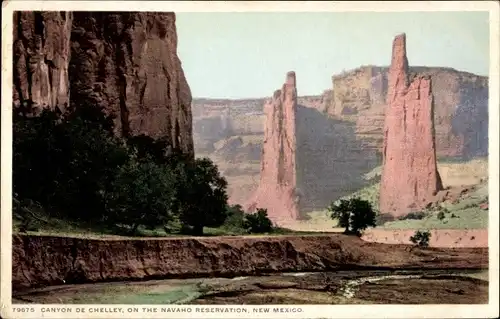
[
  {"x": 354, "y": 214},
  {"x": 413, "y": 216},
  {"x": 258, "y": 222},
  {"x": 441, "y": 215}
]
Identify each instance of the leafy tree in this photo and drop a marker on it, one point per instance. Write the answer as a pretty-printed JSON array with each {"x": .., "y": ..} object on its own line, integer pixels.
[
  {"x": 141, "y": 194},
  {"x": 36, "y": 155},
  {"x": 421, "y": 238},
  {"x": 65, "y": 162},
  {"x": 201, "y": 196},
  {"x": 235, "y": 217},
  {"x": 354, "y": 214},
  {"x": 148, "y": 148},
  {"x": 258, "y": 222}
]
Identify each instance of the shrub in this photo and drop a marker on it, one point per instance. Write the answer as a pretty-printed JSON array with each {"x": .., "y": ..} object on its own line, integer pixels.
[
  {"x": 413, "y": 216},
  {"x": 441, "y": 215},
  {"x": 421, "y": 238},
  {"x": 354, "y": 214},
  {"x": 235, "y": 217},
  {"x": 258, "y": 222},
  {"x": 381, "y": 219}
]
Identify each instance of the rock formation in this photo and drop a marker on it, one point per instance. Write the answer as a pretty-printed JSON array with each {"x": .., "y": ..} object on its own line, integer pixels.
[
  {"x": 409, "y": 173},
  {"x": 41, "y": 50},
  {"x": 460, "y": 98},
  {"x": 125, "y": 62},
  {"x": 278, "y": 180}
]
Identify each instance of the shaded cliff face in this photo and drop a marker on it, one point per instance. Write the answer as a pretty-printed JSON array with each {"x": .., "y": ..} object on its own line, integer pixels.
[
  {"x": 124, "y": 61},
  {"x": 410, "y": 178},
  {"x": 278, "y": 179},
  {"x": 41, "y": 58}
]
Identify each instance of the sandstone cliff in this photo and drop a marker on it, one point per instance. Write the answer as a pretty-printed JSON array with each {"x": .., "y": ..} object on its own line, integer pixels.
[
  {"x": 41, "y": 58},
  {"x": 124, "y": 61},
  {"x": 278, "y": 179},
  {"x": 460, "y": 98},
  {"x": 352, "y": 119},
  {"x": 410, "y": 177}
]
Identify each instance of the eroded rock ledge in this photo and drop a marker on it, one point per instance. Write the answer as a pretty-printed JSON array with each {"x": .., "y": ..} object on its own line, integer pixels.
[{"x": 47, "y": 260}]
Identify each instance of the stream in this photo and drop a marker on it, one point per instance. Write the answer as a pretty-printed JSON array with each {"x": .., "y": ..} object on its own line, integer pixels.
[{"x": 340, "y": 287}]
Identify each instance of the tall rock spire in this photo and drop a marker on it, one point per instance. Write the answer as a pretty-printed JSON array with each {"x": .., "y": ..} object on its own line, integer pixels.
[
  {"x": 277, "y": 188},
  {"x": 410, "y": 177}
]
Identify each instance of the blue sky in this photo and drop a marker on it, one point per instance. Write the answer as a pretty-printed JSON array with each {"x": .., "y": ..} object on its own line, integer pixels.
[{"x": 242, "y": 55}]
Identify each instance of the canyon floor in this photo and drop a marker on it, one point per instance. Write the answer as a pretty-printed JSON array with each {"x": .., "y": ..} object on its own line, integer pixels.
[
  {"x": 341, "y": 287},
  {"x": 466, "y": 183}
]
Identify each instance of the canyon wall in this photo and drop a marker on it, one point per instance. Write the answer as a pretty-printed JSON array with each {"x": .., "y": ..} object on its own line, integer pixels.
[
  {"x": 410, "y": 178},
  {"x": 352, "y": 115},
  {"x": 125, "y": 62},
  {"x": 278, "y": 175},
  {"x": 41, "y": 50},
  {"x": 460, "y": 99},
  {"x": 50, "y": 260},
  {"x": 358, "y": 96}
]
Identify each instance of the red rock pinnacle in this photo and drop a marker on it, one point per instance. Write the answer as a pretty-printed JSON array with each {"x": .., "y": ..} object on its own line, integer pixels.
[
  {"x": 410, "y": 177},
  {"x": 277, "y": 187}
]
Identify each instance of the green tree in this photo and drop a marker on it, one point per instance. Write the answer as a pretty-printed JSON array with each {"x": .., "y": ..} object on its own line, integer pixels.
[
  {"x": 421, "y": 238},
  {"x": 65, "y": 162},
  {"x": 148, "y": 148},
  {"x": 258, "y": 222},
  {"x": 201, "y": 196},
  {"x": 354, "y": 214},
  {"x": 235, "y": 217},
  {"x": 141, "y": 194}
]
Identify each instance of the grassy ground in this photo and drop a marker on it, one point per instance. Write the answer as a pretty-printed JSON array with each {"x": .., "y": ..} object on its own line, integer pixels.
[
  {"x": 466, "y": 214},
  {"x": 60, "y": 227}
]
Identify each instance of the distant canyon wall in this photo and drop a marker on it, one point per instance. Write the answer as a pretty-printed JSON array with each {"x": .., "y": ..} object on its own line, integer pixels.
[
  {"x": 358, "y": 96},
  {"x": 340, "y": 132},
  {"x": 126, "y": 62}
]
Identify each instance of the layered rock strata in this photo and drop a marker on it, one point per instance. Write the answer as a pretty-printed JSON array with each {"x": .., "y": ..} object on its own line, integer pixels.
[
  {"x": 410, "y": 177},
  {"x": 51, "y": 260}
]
